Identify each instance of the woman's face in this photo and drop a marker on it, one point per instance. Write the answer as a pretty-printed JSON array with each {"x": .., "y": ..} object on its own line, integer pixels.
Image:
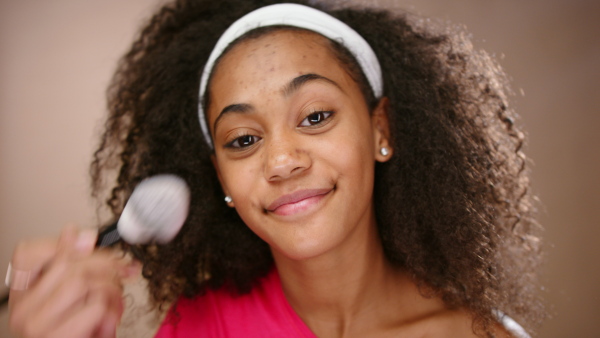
[{"x": 295, "y": 145}]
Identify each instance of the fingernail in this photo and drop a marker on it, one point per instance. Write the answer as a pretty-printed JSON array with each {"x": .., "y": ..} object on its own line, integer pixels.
[{"x": 86, "y": 239}]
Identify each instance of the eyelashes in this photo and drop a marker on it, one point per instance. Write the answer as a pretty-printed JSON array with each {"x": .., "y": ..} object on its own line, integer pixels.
[
  {"x": 243, "y": 141},
  {"x": 314, "y": 120}
]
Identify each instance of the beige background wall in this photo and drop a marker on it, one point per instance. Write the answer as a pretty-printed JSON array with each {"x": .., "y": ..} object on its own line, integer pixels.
[{"x": 56, "y": 57}]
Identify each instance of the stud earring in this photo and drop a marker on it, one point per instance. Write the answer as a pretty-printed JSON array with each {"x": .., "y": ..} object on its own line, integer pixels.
[
  {"x": 384, "y": 151},
  {"x": 228, "y": 199}
]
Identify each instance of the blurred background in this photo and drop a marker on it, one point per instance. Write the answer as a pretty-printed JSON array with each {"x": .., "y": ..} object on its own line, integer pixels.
[{"x": 57, "y": 56}]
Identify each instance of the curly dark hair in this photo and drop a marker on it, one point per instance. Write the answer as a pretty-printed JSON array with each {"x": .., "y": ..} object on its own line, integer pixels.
[{"x": 453, "y": 206}]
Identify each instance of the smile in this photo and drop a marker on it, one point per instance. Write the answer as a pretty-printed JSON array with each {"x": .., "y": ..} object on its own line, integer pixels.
[{"x": 298, "y": 201}]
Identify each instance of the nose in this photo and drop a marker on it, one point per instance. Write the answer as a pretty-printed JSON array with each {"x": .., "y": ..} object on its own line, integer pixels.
[{"x": 285, "y": 158}]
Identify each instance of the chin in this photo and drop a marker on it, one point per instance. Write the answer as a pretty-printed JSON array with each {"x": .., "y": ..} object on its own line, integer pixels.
[{"x": 303, "y": 249}]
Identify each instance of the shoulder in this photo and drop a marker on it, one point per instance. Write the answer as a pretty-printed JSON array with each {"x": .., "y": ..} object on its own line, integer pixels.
[
  {"x": 459, "y": 323},
  {"x": 453, "y": 322},
  {"x": 263, "y": 312}
]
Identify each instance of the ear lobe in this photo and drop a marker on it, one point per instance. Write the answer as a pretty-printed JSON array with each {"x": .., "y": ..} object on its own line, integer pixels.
[
  {"x": 213, "y": 159},
  {"x": 381, "y": 130}
]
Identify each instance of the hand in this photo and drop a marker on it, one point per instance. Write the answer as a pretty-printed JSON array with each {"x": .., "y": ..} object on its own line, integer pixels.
[{"x": 77, "y": 292}]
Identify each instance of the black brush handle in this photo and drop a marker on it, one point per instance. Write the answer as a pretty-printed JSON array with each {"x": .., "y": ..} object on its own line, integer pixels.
[
  {"x": 109, "y": 236},
  {"x": 4, "y": 300}
]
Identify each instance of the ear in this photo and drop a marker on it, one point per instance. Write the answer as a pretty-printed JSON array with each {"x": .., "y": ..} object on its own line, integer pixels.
[
  {"x": 381, "y": 130},
  {"x": 213, "y": 158}
]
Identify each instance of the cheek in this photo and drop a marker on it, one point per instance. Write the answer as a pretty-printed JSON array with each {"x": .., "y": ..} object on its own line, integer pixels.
[
  {"x": 352, "y": 147},
  {"x": 240, "y": 178},
  {"x": 244, "y": 183},
  {"x": 347, "y": 160}
]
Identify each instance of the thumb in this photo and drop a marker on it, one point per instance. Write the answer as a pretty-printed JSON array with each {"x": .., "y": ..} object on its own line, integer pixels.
[{"x": 75, "y": 241}]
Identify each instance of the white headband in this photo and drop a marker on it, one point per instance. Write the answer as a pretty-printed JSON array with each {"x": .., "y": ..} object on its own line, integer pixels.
[{"x": 302, "y": 17}]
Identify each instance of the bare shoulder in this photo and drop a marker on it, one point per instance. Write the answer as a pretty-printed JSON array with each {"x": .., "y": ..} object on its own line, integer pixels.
[
  {"x": 422, "y": 314},
  {"x": 448, "y": 323}
]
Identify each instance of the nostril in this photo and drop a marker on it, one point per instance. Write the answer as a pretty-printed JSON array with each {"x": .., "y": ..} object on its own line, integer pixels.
[{"x": 284, "y": 159}]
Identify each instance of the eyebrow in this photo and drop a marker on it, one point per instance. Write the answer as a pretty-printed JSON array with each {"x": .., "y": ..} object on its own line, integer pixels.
[
  {"x": 301, "y": 80},
  {"x": 288, "y": 90},
  {"x": 239, "y": 108}
]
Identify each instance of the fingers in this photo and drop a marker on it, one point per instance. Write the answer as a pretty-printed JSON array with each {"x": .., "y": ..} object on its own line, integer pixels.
[
  {"x": 96, "y": 319},
  {"x": 31, "y": 257},
  {"x": 78, "y": 292},
  {"x": 76, "y": 242},
  {"x": 28, "y": 258},
  {"x": 33, "y": 254},
  {"x": 68, "y": 263},
  {"x": 67, "y": 286},
  {"x": 94, "y": 309}
]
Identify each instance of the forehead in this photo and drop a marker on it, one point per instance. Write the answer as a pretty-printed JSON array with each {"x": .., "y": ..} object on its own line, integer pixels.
[
  {"x": 277, "y": 36},
  {"x": 273, "y": 46},
  {"x": 272, "y": 59}
]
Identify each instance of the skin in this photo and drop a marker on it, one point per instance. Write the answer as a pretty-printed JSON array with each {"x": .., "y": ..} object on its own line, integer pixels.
[
  {"x": 335, "y": 157},
  {"x": 78, "y": 292},
  {"x": 273, "y": 139},
  {"x": 315, "y": 137}
]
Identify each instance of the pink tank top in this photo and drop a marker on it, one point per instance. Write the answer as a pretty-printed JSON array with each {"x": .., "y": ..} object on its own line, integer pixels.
[{"x": 264, "y": 312}]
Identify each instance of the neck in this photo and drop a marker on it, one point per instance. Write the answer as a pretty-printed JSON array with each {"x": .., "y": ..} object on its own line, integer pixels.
[{"x": 337, "y": 289}]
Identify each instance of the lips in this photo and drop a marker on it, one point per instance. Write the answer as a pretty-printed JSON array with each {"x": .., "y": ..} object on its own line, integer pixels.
[{"x": 297, "y": 201}]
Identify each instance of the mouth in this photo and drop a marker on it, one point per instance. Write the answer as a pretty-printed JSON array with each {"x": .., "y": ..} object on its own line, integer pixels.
[{"x": 297, "y": 201}]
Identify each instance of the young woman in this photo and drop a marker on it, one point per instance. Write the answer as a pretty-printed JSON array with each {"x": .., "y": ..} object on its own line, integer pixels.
[{"x": 351, "y": 175}]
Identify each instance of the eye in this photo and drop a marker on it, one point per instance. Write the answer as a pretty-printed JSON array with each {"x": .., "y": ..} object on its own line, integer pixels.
[
  {"x": 243, "y": 141},
  {"x": 315, "y": 118}
]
